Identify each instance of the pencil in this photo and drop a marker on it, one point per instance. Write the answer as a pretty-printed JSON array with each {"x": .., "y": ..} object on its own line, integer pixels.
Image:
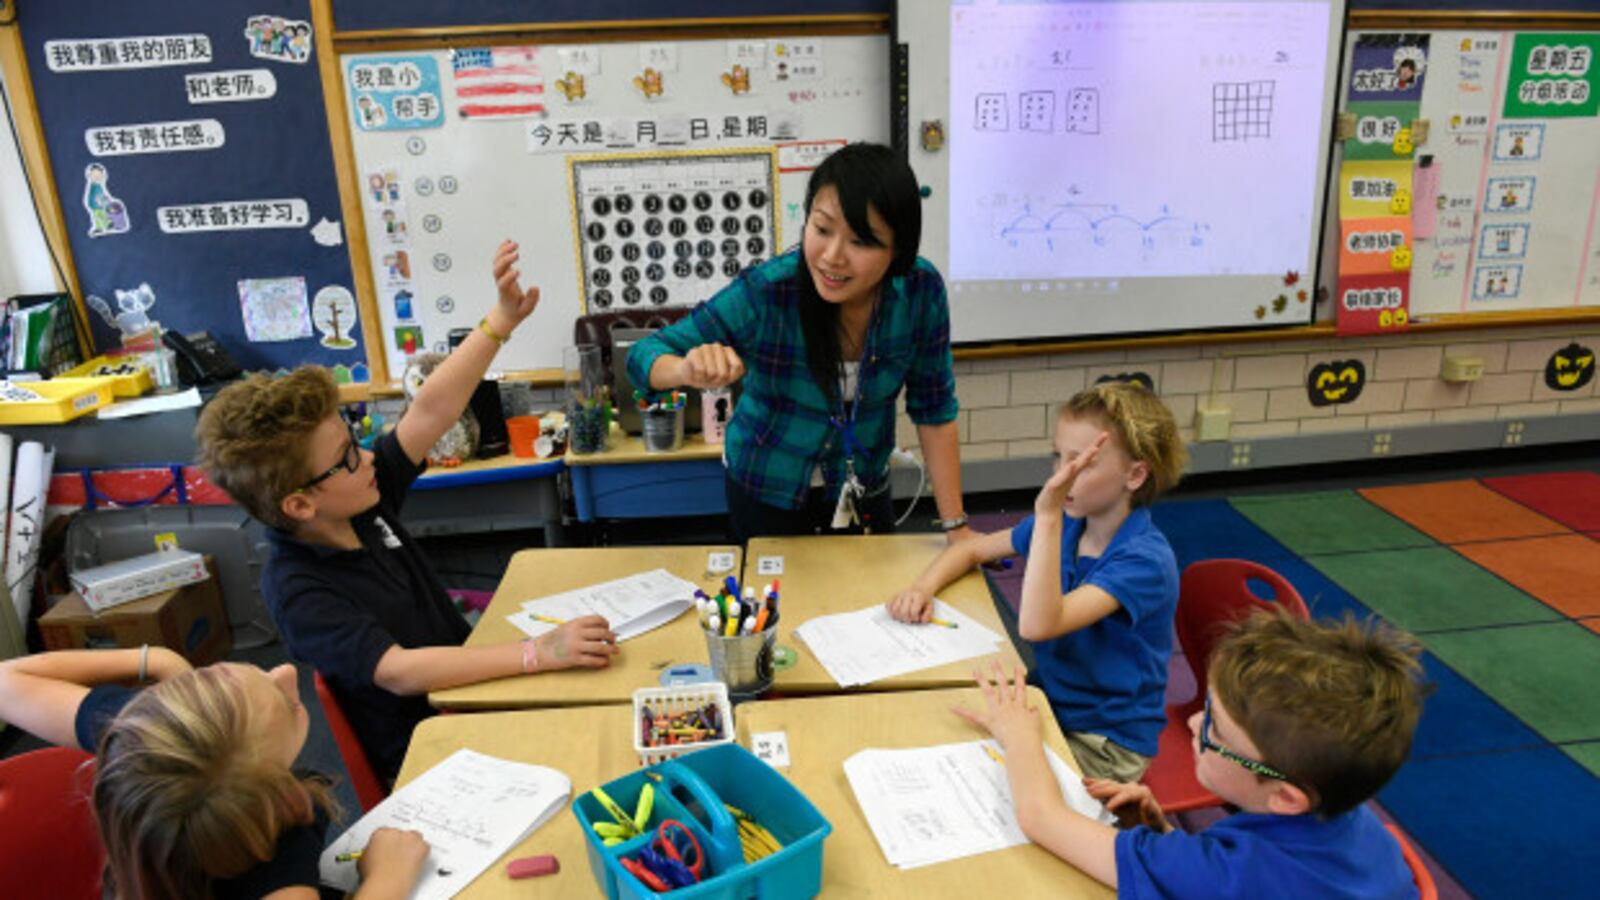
[
  {"x": 943, "y": 622},
  {"x": 550, "y": 619},
  {"x": 352, "y": 856},
  {"x": 993, "y": 754}
]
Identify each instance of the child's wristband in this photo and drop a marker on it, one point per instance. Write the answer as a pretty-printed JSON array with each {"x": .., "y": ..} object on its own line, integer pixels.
[
  {"x": 144, "y": 662},
  {"x": 530, "y": 656},
  {"x": 486, "y": 328}
]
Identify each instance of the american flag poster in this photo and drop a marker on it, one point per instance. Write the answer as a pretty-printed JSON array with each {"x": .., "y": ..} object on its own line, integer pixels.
[{"x": 498, "y": 83}]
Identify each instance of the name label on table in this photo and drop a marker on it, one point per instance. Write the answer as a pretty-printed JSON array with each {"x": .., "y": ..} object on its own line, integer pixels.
[
  {"x": 717, "y": 563},
  {"x": 772, "y": 748},
  {"x": 769, "y": 565}
]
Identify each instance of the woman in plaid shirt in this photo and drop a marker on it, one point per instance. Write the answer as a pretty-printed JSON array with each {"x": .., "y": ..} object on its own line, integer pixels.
[{"x": 825, "y": 337}]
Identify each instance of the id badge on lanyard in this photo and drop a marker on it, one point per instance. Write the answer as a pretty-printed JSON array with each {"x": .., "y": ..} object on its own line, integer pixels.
[{"x": 845, "y": 513}]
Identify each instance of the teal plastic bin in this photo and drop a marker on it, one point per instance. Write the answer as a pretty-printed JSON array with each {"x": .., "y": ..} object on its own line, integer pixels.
[{"x": 693, "y": 790}]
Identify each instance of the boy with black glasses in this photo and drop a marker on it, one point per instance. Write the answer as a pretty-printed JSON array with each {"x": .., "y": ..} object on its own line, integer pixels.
[
  {"x": 1303, "y": 722},
  {"x": 349, "y": 589}
]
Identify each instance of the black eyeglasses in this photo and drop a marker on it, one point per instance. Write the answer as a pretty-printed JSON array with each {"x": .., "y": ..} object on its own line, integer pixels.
[
  {"x": 1256, "y": 766},
  {"x": 350, "y": 462}
]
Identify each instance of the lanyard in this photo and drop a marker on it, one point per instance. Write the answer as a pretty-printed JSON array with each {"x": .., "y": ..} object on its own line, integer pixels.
[{"x": 846, "y": 421}]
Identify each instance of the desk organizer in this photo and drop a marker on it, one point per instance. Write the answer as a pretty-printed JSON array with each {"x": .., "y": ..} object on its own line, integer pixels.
[
  {"x": 60, "y": 400},
  {"x": 663, "y": 429},
  {"x": 687, "y": 698},
  {"x": 129, "y": 378},
  {"x": 693, "y": 790}
]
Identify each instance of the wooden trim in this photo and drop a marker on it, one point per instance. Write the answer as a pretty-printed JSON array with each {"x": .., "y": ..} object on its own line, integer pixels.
[
  {"x": 36, "y": 161},
  {"x": 1424, "y": 20},
  {"x": 620, "y": 30},
  {"x": 1321, "y": 331},
  {"x": 344, "y": 166},
  {"x": 352, "y": 393}
]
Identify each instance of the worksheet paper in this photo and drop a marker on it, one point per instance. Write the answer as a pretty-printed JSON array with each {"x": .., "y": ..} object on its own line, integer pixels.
[
  {"x": 935, "y": 804},
  {"x": 633, "y": 605},
  {"x": 868, "y": 645},
  {"x": 471, "y": 809}
]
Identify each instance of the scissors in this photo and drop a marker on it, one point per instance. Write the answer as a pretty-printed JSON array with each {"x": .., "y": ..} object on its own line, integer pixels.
[{"x": 679, "y": 845}]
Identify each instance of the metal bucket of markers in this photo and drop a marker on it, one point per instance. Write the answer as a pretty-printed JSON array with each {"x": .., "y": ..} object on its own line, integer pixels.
[
  {"x": 663, "y": 426},
  {"x": 743, "y": 661}
]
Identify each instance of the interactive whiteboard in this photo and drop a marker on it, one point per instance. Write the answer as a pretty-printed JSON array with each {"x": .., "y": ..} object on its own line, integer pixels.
[{"x": 1122, "y": 167}]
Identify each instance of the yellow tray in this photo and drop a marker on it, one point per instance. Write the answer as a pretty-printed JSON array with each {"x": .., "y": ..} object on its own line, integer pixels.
[
  {"x": 61, "y": 400},
  {"x": 124, "y": 383}
]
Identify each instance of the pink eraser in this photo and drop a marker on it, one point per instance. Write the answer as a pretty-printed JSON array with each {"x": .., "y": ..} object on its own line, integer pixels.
[{"x": 533, "y": 866}]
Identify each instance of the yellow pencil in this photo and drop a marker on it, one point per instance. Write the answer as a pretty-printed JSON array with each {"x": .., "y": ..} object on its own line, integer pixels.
[
  {"x": 994, "y": 754},
  {"x": 551, "y": 619},
  {"x": 943, "y": 622}
]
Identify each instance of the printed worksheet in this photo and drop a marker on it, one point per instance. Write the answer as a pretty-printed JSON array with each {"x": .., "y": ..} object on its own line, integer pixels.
[
  {"x": 633, "y": 605},
  {"x": 471, "y": 809},
  {"x": 869, "y": 645}
]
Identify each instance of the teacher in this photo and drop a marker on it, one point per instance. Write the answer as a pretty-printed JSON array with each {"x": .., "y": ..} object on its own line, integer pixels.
[{"x": 825, "y": 337}]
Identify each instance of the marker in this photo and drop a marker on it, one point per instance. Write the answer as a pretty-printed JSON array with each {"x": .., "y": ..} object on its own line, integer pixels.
[
  {"x": 732, "y": 627},
  {"x": 714, "y": 624},
  {"x": 943, "y": 623},
  {"x": 732, "y": 585},
  {"x": 748, "y": 626},
  {"x": 761, "y": 618},
  {"x": 352, "y": 856},
  {"x": 550, "y": 619}
]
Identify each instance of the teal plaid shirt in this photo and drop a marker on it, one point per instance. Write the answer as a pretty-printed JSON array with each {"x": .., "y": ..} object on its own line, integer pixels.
[{"x": 781, "y": 428}]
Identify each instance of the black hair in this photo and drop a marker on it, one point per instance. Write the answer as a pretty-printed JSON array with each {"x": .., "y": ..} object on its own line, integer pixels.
[{"x": 864, "y": 176}]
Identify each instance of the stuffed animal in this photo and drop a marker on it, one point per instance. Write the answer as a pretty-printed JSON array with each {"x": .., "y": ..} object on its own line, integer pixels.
[{"x": 460, "y": 441}]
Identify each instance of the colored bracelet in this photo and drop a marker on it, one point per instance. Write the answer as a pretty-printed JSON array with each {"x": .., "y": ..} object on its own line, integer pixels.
[
  {"x": 530, "y": 656},
  {"x": 486, "y": 328},
  {"x": 960, "y": 521}
]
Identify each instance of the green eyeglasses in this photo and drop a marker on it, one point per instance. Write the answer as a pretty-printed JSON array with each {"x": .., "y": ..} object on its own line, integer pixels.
[
  {"x": 1256, "y": 766},
  {"x": 350, "y": 462}
]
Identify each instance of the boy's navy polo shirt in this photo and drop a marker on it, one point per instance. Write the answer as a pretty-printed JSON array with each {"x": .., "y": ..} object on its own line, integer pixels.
[
  {"x": 1259, "y": 855},
  {"x": 1111, "y": 677},
  {"x": 341, "y": 610}
]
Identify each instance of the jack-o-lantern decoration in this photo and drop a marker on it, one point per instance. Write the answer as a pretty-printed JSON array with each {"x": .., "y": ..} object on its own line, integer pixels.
[
  {"x": 1335, "y": 383},
  {"x": 1142, "y": 379},
  {"x": 1569, "y": 368}
]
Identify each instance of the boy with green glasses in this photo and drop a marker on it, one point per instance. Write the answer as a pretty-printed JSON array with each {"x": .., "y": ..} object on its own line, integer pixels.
[{"x": 1303, "y": 722}]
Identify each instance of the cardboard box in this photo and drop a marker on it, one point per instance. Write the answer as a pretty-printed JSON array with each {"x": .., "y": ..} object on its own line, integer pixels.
[
  {"x": 190, "y": 620},
  {"x": 124, "y": 581}
]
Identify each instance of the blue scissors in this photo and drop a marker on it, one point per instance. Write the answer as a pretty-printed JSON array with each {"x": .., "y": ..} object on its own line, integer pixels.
[{"x": 675, "y": 855}]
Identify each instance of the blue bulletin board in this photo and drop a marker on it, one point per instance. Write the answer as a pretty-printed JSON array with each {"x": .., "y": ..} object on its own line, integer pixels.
[{"x": 190, "y": 150}]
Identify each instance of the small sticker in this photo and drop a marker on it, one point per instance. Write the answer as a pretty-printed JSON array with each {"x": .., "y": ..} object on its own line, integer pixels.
[
  {"x": 441, "y": 262},
  {"x": 431, "y": 223},
  {"x": 448, "y": 184},
  {"x": 277, "y": 38},
  {"x": 772, "y": 748},
  {"x": 333, "y": 311},
  {"x": 327, "y": 233},
  {"x": 423, "y": 186},
  {"x": 445, "y": 304},
  {"x": 274, "y": 309},
  {"x": 769, "y": 565},
  {"x": 107, "y": 214},
  {"x": 416, "y": 146},
  {"x": 166, "y": 542},
  {"x": 717, "y": 562}
]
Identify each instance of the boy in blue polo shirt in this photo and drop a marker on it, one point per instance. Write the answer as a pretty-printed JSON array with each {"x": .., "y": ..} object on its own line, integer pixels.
[
  {"x": 1303, "y": 722},
  {"x": 1101, "y": 585},
  {"x": 349, "y": 589}
]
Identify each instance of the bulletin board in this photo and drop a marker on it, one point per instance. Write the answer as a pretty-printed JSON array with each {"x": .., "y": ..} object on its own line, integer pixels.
[
  {"x": 192, "y": 166},
  {"x": 455, "y": 149},
  {"x": 1506, "y": 187}
]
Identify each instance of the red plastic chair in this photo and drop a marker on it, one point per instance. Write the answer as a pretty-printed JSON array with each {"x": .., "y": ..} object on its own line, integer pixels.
[
  {"x": 1426, "y": 889},
  {"x": 369, "y": 790},
  {"x": 1212, "y": 593},
  {"x": 52, "y": 847}
]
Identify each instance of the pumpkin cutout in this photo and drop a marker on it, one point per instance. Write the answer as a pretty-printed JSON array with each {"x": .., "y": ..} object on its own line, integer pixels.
[
  {"x": 1142, "y": 379},
  {"x": 1335, "y": 383},
  {"x": 1569, "y": 368}
]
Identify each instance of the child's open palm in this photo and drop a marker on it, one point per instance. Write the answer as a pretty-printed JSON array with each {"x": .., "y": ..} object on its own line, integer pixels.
[
  {"x": 514, "y": 301},
  {"x": 1055, "y": 491}
]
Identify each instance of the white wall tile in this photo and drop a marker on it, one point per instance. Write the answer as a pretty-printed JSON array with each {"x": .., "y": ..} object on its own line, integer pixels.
[
  {"x": 1464, "y": 414},
  {"x": 1009, "y": 424},
  {"x": 1294, "y": 403},
  {"x": 1249, "y": 430},
  {"x": 1506, "y": 387},
  {"x": 1342, "y": 423},
  {"x": 1268, "y": 371},
  {"x": 1407, "y": 362},
  {"x": 1431, "y": 393},
  {"x": 983, "y": 451},
  {"x": 1398, "y": 420},
  {"x": 1247, "y": 406},
  {"x": 1048, "y": 386},
  {"x": 1528, "y": 410},
  {"x": 1376, "y": 397},
  {"x": 981, "y": 391}
]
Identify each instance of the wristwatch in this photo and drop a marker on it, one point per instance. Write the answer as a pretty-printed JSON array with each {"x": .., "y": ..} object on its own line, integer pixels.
[{"x": 960, "y": 521}]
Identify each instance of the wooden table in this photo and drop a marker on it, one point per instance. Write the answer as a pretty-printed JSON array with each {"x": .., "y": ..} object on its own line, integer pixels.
[
  {"x": 593, "y": 745},
  {"x": 826, "y": 575},
  {"x": 824, "y": 731},
  {"x": 626, "y": 482},
  {"x": 537, "y": 573}
]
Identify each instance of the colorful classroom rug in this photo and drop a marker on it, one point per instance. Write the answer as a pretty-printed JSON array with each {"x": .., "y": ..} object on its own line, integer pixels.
[{"x": 1500, "y": 580}]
